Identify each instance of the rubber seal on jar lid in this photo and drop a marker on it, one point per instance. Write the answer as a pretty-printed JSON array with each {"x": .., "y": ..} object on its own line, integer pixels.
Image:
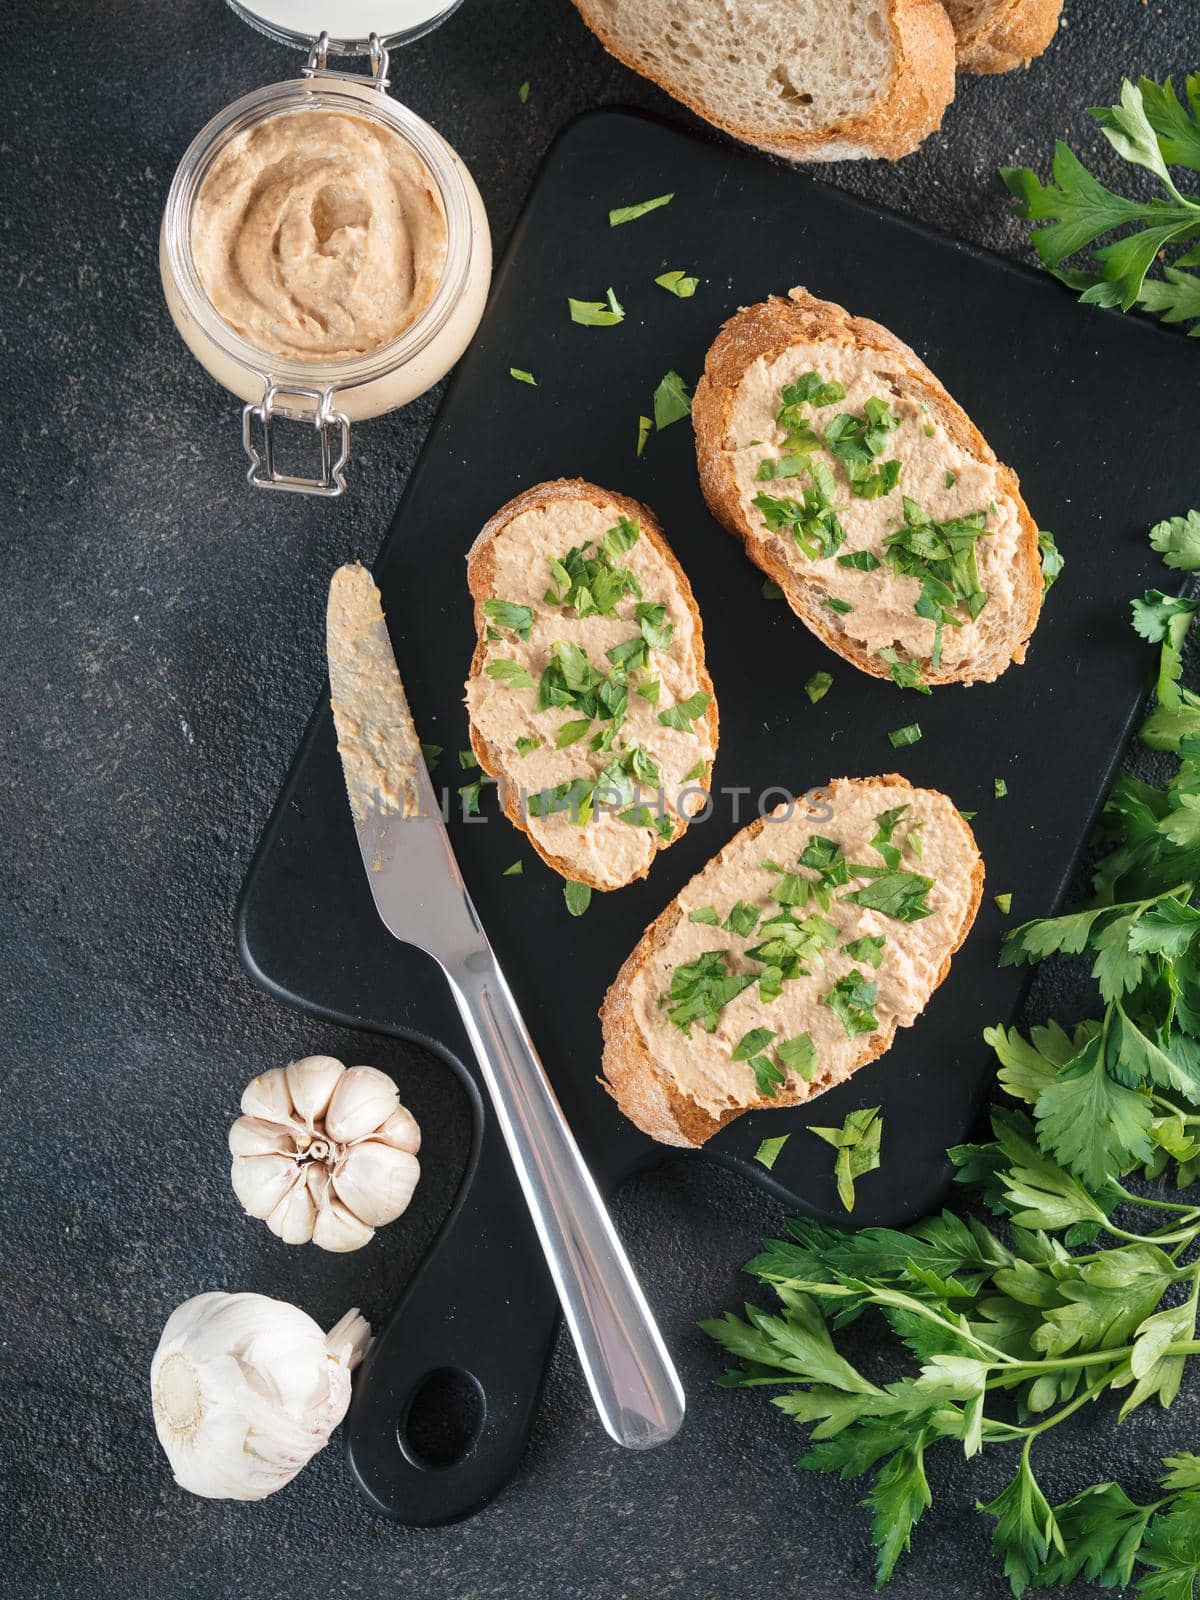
[{"x": 301, "y": 22}]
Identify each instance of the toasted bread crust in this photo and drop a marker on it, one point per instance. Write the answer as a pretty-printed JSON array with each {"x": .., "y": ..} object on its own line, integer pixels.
[
  {"x": 631, "y": 1074},
  {"x": 481, "y": 582},
  {"x": 898, "y": 123},
  {"x": 767, "y": 330},
  {"x": 1011, "y": 37}
]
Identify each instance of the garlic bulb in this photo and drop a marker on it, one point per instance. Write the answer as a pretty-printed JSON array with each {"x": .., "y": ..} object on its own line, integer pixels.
[
  {"x": 247, "y": 1389},
  {"x": 324, "y": 1152}
]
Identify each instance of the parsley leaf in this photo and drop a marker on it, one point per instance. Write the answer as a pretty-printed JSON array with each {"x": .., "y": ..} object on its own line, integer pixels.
[
  {"x": 1177, "y": 539},
  {"x": 507, "y": 614},
  {"x": 577, "y": 896},
  {"x": 604, "y": 313},
  {"x": 520, "y": 374},
  {"x": 1150, "y": 129},
  {"x": 678, "y": 283},
  {"x": 852, "y": 1001},
  {"x": 767, "y": 1153},
  {"x": 857, "y": 1143},
  {"x": 701, "y": 989},
  {"x": 900, "y": 895},
  {"x": 909, "y": 734},
  {"x": 818, "y": 686},
  {"x": 621, "y": 214},
  {"x": 681, "y": 716},
  {"x": 510, "y": 672},
  {"x": 671, "y": 401}
]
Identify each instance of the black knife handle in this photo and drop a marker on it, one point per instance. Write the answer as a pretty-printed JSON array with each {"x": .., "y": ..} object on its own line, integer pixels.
[{"x": 478, "y": 1320}]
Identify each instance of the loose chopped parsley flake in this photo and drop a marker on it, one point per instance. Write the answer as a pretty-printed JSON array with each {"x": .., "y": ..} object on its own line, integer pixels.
[
  {"x": 520, "y": 374},
  {"x": 1000, "y": 788},
  {"x": 681, "y": 716},
  {"x": 671, "y": 401},
  {"x": 852, "y": 1001},
  {"x": 570, "y": 732},
  {"x": 859, "y": 561},
  {"x": 900, "y": 895},
  {"x": 909, "y": 734},
  {"x": 771, "y": 590},
  {"x": 578, "y": 897},
  {"x": 799, "y": 1055},
  {"x": 470, "y": 793},
  {"x": 1053, "y": 561},
  {"x": 622, "y": 214},
  {"x": 643, "y": 433},
  {"x": 510, "y": 672},
  {"x": 1004, "y": 901},
  {"x": 695, "y": 772},
  {"x": 508, "y": 614},
  {"x": 742, "y": 919},
  {"x": 869, "y": 949},
  {"x": 752, "y": 1043},
  {"x": 523, "y": 92},
  {"x": 907, "y": 674},
  {"x": 818, "y": 686},
  {"x": 604, "y": 313},
  {"x": 432, "y": 753},
  {"x": 526, "y": 743},
  {"x": 514, "y": 871},
  {"x": 842, "y": 607},
  {"x": 678, "y": 283},
  {"x": 857, "y": 1143},
  {"x": 887, "y": 822},
  {"x": 705, "y": 914},
  {"x": 467, "y": 761},
  {"x": 767, "y": 1076},
  {"x": 767, "y": 1153}
]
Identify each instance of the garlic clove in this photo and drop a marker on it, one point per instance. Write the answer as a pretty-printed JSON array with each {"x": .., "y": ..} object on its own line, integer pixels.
[
  {"x": 376, "y": 1181},
  {"x": 400, "y": 1131},
  {"x": 261, "y": 1182},
  {"x": 267, "y": 1096},
  {"x": 339, "y": 1230},
  {"x": 349, "y": 1339},
  {"x": 311, "y": 1082},
  {"x": 292, "y": 1218},
  {"x": 364, "y": 1100},
  {"x": 254, "y": 1136}
]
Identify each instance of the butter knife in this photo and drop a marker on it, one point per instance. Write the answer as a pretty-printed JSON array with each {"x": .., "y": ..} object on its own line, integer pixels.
[{"x": 422, "y": 900}]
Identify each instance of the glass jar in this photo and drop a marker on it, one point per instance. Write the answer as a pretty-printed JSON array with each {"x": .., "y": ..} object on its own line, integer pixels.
[{"x": 327, "y": 395}]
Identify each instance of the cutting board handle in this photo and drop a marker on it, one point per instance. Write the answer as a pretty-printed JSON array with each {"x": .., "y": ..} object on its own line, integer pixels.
[{"x": 445, "y": 1399}]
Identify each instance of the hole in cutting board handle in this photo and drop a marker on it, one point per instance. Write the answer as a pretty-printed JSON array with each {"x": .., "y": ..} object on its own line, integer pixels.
[{"x": 443, "y": 1419}]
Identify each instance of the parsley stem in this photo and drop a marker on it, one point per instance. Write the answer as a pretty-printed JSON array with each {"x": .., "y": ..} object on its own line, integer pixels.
[{"x": 1158, "y": 1205}]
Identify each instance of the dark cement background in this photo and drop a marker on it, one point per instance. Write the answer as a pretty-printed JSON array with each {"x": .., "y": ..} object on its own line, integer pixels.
[{"x": 160, "y": 649}]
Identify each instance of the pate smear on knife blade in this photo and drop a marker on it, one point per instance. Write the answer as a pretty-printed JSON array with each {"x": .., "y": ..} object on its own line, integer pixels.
[{"x": 376, "y": 738}]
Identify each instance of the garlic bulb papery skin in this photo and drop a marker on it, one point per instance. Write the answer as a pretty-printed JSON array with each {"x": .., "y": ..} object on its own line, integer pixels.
[
  {"x": 324, "y": 1152},
  {"x": 246, "y": 1390}
]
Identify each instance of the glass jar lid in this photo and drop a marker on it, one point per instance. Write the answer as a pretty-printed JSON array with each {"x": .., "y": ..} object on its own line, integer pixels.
[{"x": 302, "y": 22}]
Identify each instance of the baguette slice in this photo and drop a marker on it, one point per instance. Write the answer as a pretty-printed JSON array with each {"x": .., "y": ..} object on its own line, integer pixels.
[
  {"x": 616, "y": 839},
  {"x": 946, "y": 466},
  {"x": 998, "y": 35},
  {"x": 809, "y": 80},
  {"x": 682, "y": 1090}
]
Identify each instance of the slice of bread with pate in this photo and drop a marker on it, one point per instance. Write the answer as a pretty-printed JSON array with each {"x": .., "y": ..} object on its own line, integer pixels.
[
  {"x": 809, "y": 80},
  {"x": 792, "y": 958},
  {"x": 998, "y": 35},
  {"x": 588, "y": 695},
  {"x": 856, "y": 483}
]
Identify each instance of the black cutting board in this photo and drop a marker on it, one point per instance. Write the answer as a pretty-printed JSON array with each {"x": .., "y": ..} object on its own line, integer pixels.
[{"x": 1098, "y": 414}]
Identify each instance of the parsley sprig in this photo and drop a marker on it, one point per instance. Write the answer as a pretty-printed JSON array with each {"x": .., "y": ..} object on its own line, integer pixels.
[
  {"x": 1088, "y": 1289},
  {"x": 1153, "y": 129},
  {"x": 1009, "y": 1338}
]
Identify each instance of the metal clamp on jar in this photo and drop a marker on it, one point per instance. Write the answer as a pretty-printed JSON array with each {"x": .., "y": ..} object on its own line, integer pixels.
[{"x": 324, "y": 253}]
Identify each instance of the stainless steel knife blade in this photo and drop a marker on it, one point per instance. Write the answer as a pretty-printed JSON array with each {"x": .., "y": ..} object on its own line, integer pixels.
[{"x": 422, "y": 900}]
